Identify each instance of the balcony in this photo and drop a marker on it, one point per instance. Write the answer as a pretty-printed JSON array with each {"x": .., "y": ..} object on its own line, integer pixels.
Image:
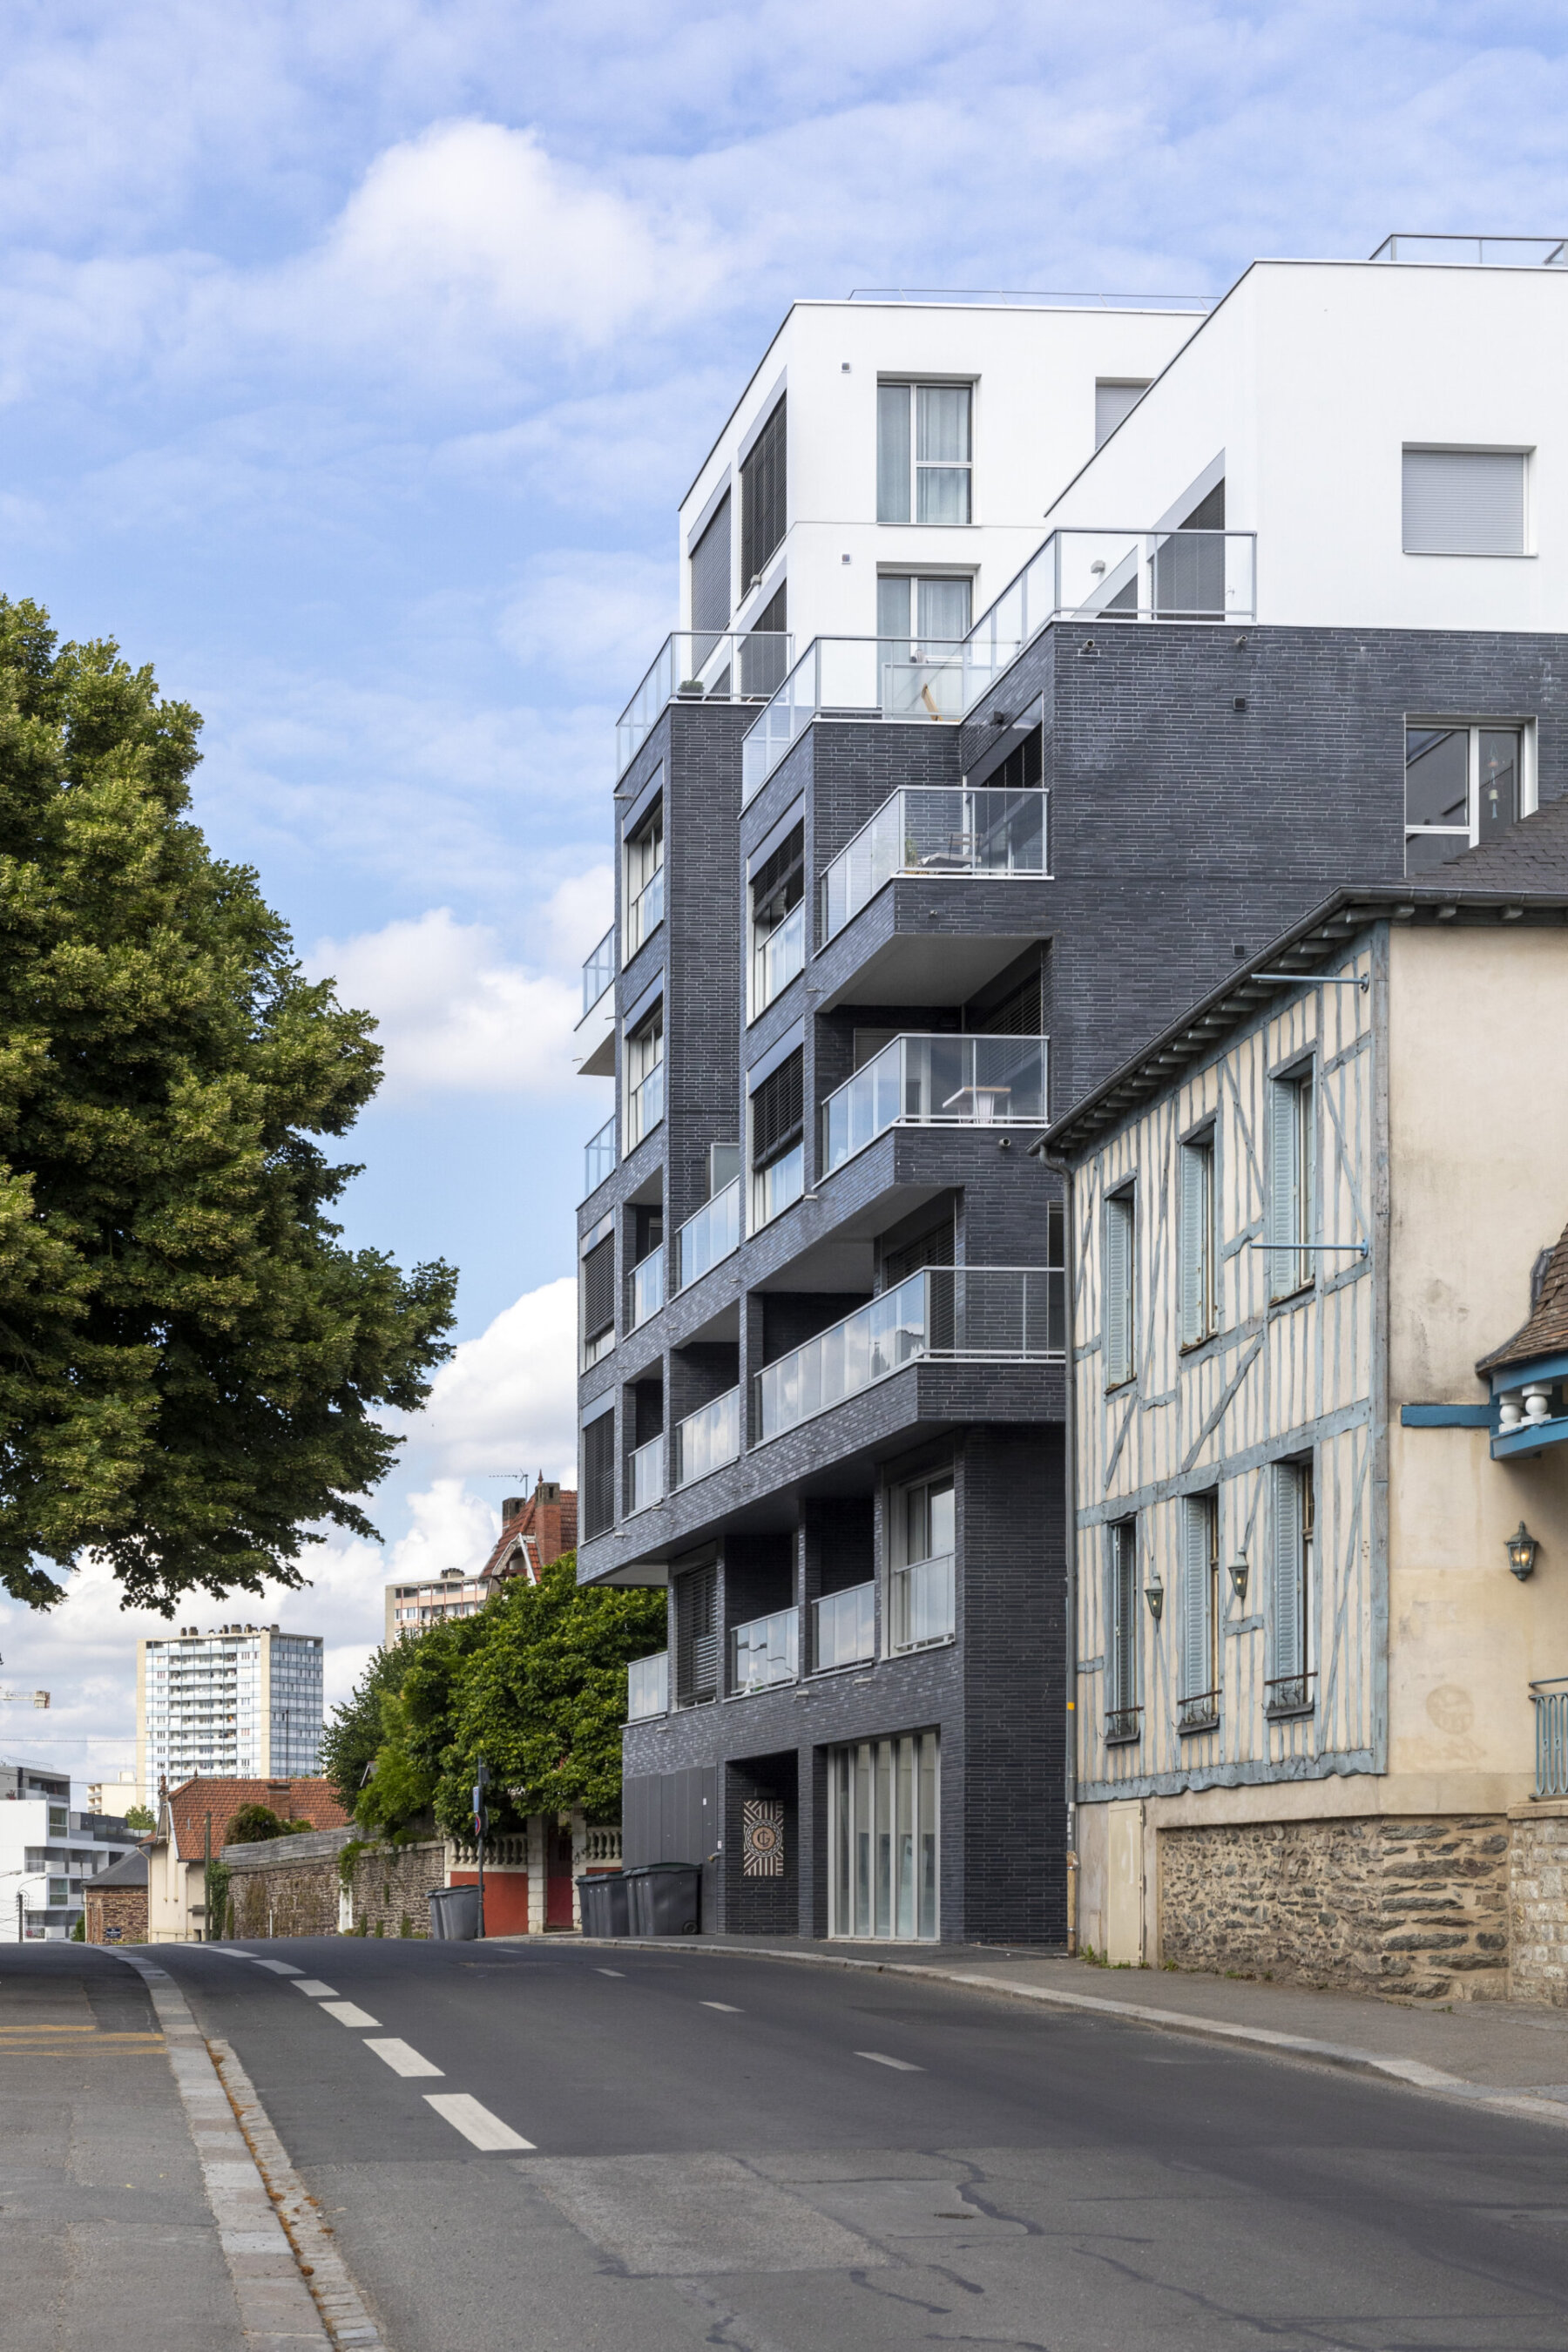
[
  {"x": 920, "y": 1604},
  {"x": 765, "y": 1653},
  {"x": 647, "y": 1688},
  {"x": 645, "y": 913},
  {"x": 599, "y": 1156},
  {"x": 927, "y": 832},
  {"x": 701, "y": 665},
  {"x": 777, "y": 958},
  {"x": 936, "y": 1081},
  {"x": 1075, "y": 575},
  {"x": 707, "y": 1439},
  {"x": 647, "y": 1288},
  {"x": 598, "y": 971},
  {"x": 1550, "y": 1703},
  {"x": 714, "y": 1234},
  {"x": 942, "y": 1314},
  {"x": 645, "y": 1476},
  {"x": 645, "y": 1106},
  {"x": 844, "y": 1628}
]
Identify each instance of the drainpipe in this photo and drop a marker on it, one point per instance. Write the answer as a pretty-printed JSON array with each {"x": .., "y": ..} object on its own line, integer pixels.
[{"x": 1070, "y": 1512}]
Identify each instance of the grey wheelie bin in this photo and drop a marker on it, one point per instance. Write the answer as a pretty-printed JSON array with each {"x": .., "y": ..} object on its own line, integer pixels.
[
  {"x": 604, "y": 1897},
  {"x": 455, "y": 1914},
  {"x": 666, "y": 1899}
]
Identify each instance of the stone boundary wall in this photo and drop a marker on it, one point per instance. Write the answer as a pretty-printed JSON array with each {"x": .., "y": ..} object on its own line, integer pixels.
[
  {"x": 1419, "y": 1908},
  {"x": 284, "y": 1887},
  {"x": 1538, "y": 1903},
  {"x": 390, "y": 1887}
]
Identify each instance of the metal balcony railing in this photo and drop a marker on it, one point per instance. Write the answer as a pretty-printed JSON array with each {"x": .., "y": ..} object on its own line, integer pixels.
[
  {"x": 1123, "y": 1723},
  {"x": 949, "y": 1314},
  {"x": 921, "y": 1603},
  {"x": 705, "y": 1239},
  {"x": 766, "y": 1652},
  {"x": 1198, "y": 1712},
  {"x": 647, "y": 1288},
  {"x": 1475, "y": 252},
  {"x": 647, "y": 1688},
  {"x": 644, "y": 1476},
  {"x": 1075, "y": 574},
  {"x": 702, "y": 666},
  {"x": 709, "y": 1438},
  {"x": 929, "y": 830},
  {"x": 599, "y": 1156},
  {"x": 844, "y": 1628},
  {"x": 1551, "y": 1702},
  {"x": 936, "y": 1081},
  {"x": 598, "y": 971}
]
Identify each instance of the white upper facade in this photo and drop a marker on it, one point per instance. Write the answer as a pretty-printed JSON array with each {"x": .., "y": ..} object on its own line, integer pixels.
[
  {"x": 1028, "y": 381},
  {"x": 1390, "y": 431},
  {"x": 47, "y": 1851}
]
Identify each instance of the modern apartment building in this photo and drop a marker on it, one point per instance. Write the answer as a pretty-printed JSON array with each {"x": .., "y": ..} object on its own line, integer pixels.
[
  {"x": 878, "y": 924},
  {"x": 237, "y": 1701},
  {"x": 48, "y": 1853},
  {"x": 535, "y": 1530}
]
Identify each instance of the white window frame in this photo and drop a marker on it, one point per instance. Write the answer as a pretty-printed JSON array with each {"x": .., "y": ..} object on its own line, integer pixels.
[
  {"x": 640, "y": 1064},
  {"x": 643, "y": 859},
  {"x": 1529, "y": 796},
  {"x": 773, "y": 961},
  {"x": 913, "y": 386},
  {"x": 902, "y": 1558},
  {"x": 1198, "y": 1236}
]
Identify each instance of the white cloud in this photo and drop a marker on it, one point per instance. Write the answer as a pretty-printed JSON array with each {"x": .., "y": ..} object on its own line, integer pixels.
[
  {"x": 507, "y": 1398},
  {"x": 594, "y": 618}
]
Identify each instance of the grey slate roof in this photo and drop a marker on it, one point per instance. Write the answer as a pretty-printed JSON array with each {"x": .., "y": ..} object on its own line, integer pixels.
[
  {"x": 1546, "y": 1331},
  {"x": 131, "y": 1870},
  {"x": 1531, "y": 856}
]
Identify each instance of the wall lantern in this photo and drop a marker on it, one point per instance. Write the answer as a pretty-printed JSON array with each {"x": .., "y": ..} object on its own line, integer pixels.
[
  {"x": 1238, "y": 1576},
  {"x": 1154, "y": 1594},
  {"x": 1521, "y": 1550}
]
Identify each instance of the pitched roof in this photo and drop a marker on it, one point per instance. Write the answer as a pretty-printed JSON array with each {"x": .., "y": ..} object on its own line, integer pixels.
[
  {"x": 131, "y": 1870},
  {"x": 1531, "y": 856},
  {"x": 534, "y": 1536},
  {"x": 309, "y": 1800},
  {"x": 1545, "y": 1332}
]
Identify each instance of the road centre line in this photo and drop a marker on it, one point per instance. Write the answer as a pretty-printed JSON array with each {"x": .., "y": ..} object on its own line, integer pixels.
[
  {"x": 278, "y": 1967},
  {"x": 315, "y": 1988},
  {"x": 880, "y": 2058},
  {"x": 476, "y": 2123},
  {"x": 610, "y": 1972},
  {"x": 401, "y": 2058},
  {"x": 348, "y": 2013},
  {"x": 728, "y": 2007}
]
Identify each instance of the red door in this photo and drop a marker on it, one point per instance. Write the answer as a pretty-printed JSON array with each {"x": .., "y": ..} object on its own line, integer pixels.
[{"x": 558, "y": 1879}]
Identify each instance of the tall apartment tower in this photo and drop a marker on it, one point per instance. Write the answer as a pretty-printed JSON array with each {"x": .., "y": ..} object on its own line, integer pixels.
[
  {"x": 900, "y": 878},
  {"x": 239, "y": 1701}
]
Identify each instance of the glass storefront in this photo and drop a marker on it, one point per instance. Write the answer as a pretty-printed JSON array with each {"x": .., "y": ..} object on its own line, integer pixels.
[{"x": 884, "y": 1802}]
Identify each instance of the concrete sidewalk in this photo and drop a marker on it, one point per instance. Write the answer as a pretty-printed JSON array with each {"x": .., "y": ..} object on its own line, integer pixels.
[{"x": 1502, "y": 2053}]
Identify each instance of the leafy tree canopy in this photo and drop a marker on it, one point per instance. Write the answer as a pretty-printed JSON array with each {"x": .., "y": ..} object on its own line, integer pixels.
[
  {"x": 191, "y": 1364},
  {"x": 139, "y": 1817},
  {"x": 253, "y": 1824},
  {"x": 357, "y": 1730}
]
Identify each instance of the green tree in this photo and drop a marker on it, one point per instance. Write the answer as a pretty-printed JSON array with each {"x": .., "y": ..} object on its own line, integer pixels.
[
  {"x": 192, "y": 1366},
  {"x": 252, "y": 1824},
  {"x": 417, "y": 1720},
  {"x": 350, "y": 1740},
  {"x": 138, "y": 1817}
]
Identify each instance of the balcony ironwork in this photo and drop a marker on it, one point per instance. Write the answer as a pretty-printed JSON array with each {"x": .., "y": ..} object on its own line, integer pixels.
[
  {"x": 943, "y": 1312},
  {"x": 647, "y": 1688},
  {"x": 598, "y": 971},
  {"x": 1288, "y": 1695},
  {"x": 1550, "y": 1703},
  {"x": 920, "y": 1599},
  {"x": 702, "y": 666},
  {"x": 844, "y": 1628},
  {"x": 644, "y": 1476},
  {"x": 929, "y": 831},
  {"x": 709, "y": 1438},
  {"x": 599, "y": 1156},
  {"x": 647, "y": 1288},
  {"x": 765, "y": 1653},
  {"x": 710, "y": 1237},
  {"x": 937, "y": 1080},
  {"x": 1122, "y": 1724},
  {"x": 1199, "y": 1712}
]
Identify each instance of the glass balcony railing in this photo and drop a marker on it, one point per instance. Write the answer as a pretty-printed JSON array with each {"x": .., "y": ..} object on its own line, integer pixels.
[
  {"x": 708, "y": 1438},
  {"x": 714, "y": 1234},
  {"x": 921, "y": 1603},
  {"x": 943, "y": 1312},
  {"x": 702, "y": 666},
  {"x": 645, "y": 1106},
  {"x": 766, "y": 1652},
  {"x": 936, "y": 1081},
  {"x": 844, "y": 1628},
  {"x": 927, "y": 830},
  {"x": 647, "y": 1688},
  {"x": 645, "y": 913},
  {"x": 1075, "y": 575},
  {"x": 599, "y": 972},
  {"x": 599, "y": 1156},
  {"x": 778, "y": 959},
  {"x": 647, "y": 1288},
  {"x": 644, "y": 1476}
]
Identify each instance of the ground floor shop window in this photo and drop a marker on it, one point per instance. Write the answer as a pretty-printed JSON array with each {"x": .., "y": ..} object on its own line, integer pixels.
[{"x": 884, "y": 1800}]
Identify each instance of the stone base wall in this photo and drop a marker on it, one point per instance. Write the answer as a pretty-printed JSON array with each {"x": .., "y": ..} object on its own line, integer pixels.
[
  {"x": 391, "y": 1886},
  {"x": 1538, "y": 1903},
  {"x": 1415, "y": 1908},
  {"x": 292, "y": 1899}
]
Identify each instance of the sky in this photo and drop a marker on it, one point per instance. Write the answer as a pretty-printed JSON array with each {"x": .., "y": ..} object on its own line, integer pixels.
[{"x": 353, "y": 361}]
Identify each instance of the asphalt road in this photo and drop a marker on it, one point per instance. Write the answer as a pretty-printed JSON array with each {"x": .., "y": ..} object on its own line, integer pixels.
[{"x": 728, "y": 2152}]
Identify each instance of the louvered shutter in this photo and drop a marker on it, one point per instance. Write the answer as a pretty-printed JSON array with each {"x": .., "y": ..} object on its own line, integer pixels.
[
  {"x": 1288, "y": 1660},
  {"x": 1117, "y": 1335},
  {"x": 1195, "y": 1242},
  {"x": 710, "y": 572},
  {"x": 762, "y": 498},
  {"x": 599, "y": 1289},
  {"x": 1284, "y": 1227},
  {"x": 599, "y": 1474},
  {"x": 1464, "y": 502},
  {"x": 1195, "y": 1595},
  {"x": 778, "y": 1109}
]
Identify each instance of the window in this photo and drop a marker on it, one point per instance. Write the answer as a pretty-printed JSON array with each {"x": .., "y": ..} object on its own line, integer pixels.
[
  {"x": 1290, "y": 1687},
  {"x": 884, "y": 1807},
  {"x": 778, "y": 1138},
  {"x": 778, "y": 919},
  {"x": 1197, "y": 1240},
  {"x": 1118, "y": 1337},
  {"x": 1198, "y": 1700},
  {"x": 1112, "y": 402},
  {"x": 695, "y": 1599},
  {"x": 598, "y": 1288},
  {"x": 763, "y": 498},
  {"x": 644, "y": 1078},
  {"x": 1463, "y": 786},
  {"x": 764, "y": 648},
  {"x": 644, "y": 1283},
  {"x": 923, "y": 1535},
  {"x": 1464, "y": 502},
  {"x": 919, "y": 616},
  {"x": 644, "y": 881},
  {"x": 1121, "y": 1708},
  {"x": 711, "y": 574},
  {"x": 924, "y": 453},
  {"x": 1291, "y": 1183},
  {"x": 599, "y": 1473}
]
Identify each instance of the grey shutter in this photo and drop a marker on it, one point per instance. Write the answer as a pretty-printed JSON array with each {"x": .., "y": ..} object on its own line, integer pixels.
[
  {"x": 1195, "y": 1242},
  {"x": 1464, "y": 502},
  {"x": 599, "y": 1289},
  {"x": 1112, "y": 402},
  {"x": 1116, "y": 1334},
  {"x": 599, "y": 1477},
  {"x": 762, "y": 498},
  {"x": 1284, "y": 1211},
  {"x": 1195, "y": 1643},
  {"x": 1286, "y": 1597}
]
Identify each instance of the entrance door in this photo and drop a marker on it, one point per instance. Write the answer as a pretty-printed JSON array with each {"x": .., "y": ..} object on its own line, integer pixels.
[
  {"x": 884, "y": 1800},
  {"x": 558, "y": 1878}
]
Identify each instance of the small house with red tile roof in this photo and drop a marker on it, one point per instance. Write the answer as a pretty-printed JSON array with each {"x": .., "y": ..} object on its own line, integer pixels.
[
  {"x": 535, "y": 1530},
  {"x": 194, "y": 1822}
]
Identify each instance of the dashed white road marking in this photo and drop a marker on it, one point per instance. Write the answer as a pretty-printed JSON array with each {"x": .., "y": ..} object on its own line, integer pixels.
[
  {"x": 401, "y": 2058},
  {"x": 278, "y": 1967},
  {"x": 880, "y": 2058},
  {"x": 347, "y": 2012},
  {"x": 231, "y": 1952},
  {"x": 315, "y": 1988},
  {"x": 476, "y": 2124},
  {"x": 609, "y": 1972},
  {"x": 728, "y": 2007}
]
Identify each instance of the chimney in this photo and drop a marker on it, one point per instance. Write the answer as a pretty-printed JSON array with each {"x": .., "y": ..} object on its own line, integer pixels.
[{"x": 512, "y": 1508}]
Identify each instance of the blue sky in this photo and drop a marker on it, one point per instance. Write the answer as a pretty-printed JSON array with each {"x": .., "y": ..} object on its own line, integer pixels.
[{"x": 353, "y": 362}]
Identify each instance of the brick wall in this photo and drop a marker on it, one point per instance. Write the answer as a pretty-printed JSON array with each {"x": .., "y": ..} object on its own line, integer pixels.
[
  {"x": 1416, "y": 1907},
  {"x": 124, "y": 1907},
  {"x": 1538, "y": 1903}
]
